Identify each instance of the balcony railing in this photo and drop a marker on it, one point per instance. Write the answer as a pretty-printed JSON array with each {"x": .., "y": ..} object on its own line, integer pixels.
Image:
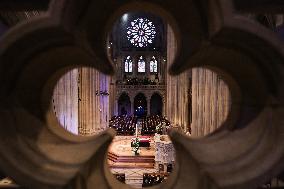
[{"x": 125, "y": 86}]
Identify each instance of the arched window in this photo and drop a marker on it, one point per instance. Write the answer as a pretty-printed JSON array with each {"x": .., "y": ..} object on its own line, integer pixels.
[
  {"x": 128, "y": 65},
  {"x": 141, "y": 65},
  {"x": 153, "y": 65}
]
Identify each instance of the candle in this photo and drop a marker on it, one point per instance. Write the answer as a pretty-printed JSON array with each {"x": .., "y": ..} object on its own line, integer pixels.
[{"x": 136, "y": 130}]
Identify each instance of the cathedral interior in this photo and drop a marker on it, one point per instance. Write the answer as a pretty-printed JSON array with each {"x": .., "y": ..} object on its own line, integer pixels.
[{"x": 132, "y": 94}]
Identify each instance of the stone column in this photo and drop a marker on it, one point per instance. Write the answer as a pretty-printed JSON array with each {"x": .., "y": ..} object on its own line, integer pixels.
[
  {"x": 177, "y": 89},
  {"x": 210, "y": 102},
  {"x": 93, "y": 109},
  {"x": 65, "y": 101},
  {"x": 112, "y": 97},
  {"x": 148, "y": 105},
  {"x": 116, "y": 107},
  {"x": 132, "y": 105},
  {"x": 104, "y": 101}
]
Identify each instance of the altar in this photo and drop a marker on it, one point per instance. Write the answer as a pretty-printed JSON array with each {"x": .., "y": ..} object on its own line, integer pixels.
[
  {"x": 144, "y": 141},
  {"x": 164, "y": 153}
]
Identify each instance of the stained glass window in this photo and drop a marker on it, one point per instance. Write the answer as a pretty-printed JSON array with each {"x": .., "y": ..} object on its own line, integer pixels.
[
  {"x": 153, "y": 65},
  {"x": 141, "y": 65},
  {"x": 141, "y": 32},
  {"x": 128, "y": 65}
]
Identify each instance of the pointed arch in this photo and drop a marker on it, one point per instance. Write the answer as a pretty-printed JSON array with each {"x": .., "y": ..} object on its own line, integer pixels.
[
  {"x": 124, "y": 104},
  {"x": 141, "y": 65},
  {"x": 156, "y": 104},
  {"x": 153, "y": 65},
  {"x": 140, "y": 105},
  {"x": 128, "y": 64}
]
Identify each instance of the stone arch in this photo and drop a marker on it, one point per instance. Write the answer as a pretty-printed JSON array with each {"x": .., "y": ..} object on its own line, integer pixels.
[
  {"x": 161, "y": 93},
  {"x": 236, "y": 154},
  {"x": 118, "y": 94},
  {"x": 140, "y": 104},
  {"x": 156, "y": 104},
  {"x": 124, "y": 104}
]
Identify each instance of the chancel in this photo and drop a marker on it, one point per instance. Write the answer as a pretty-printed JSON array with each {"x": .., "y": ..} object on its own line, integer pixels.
[{"x": 137, "y": 94}]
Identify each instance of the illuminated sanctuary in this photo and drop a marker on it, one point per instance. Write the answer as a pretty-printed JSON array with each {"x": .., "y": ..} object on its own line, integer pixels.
[
  {"x": 141, "y": 102},
  {"x": 134, "y": 94}
]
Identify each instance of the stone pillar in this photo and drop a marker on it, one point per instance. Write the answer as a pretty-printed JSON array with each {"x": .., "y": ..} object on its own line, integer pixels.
[
  {"x": 116, "y": 107},
  {"x": 87, "y": 101},
  {"x": 112, "y": 97},
  {"x": 164, "y": 105},
  {"x": 104, "y": 101},
  {"x": 132, "y": 105},
  {"x": 94, "y": 104},
  {"x": 120, "y": 67},
  {"x": 148, "y": 105},
  {"x": 65, "y": 101},
  {"x": 210, "y": 102},
  {"x": 177, "y": 89}
]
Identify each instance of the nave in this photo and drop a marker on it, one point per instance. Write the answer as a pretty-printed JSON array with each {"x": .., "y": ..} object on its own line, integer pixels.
[
  {"x": 154, "y": 159},
  {"x": 238, "y": 89}
]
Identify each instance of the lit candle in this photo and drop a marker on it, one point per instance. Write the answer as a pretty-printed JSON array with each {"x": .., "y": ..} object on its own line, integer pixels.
[{"x": 136, "y": 130}]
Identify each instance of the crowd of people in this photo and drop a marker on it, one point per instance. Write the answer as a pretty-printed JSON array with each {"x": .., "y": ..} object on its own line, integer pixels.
[
  {"x": 153, "y": 179},
  {"x": 120, "y": 177},
  {"x": 139, "y": 81},
  {"x": 124, "y": 125},
  {"x": 154, "y": 124}
]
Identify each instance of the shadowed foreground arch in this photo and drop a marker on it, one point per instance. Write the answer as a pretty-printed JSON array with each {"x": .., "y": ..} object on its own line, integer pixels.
[{"x": 36, "y": 53}]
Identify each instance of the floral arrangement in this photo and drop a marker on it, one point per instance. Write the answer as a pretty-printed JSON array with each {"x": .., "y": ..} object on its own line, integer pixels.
[
  {"x": 159, "y": 128},
  {"x": 135, "y": 145}
]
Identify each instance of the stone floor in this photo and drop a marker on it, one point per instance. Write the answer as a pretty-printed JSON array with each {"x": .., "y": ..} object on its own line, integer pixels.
[
  {"x": 133, "y": 177},
  {"x": 133, "y": 170},
  {"x": 121, "y": 145},
  {"x": 121, "y": 148}
]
